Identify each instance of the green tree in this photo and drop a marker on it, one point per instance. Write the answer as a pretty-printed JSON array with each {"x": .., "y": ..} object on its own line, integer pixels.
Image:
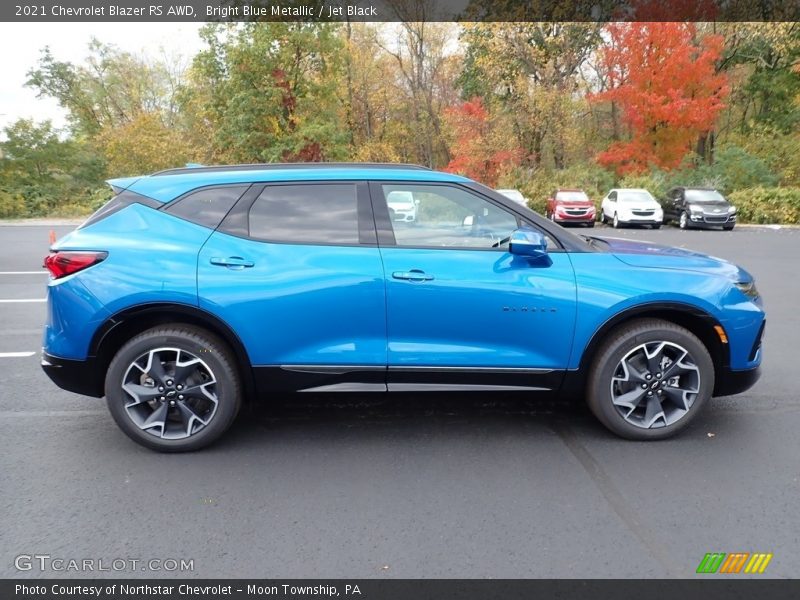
[
  {"x": 44, "y": 170},
  {"x": 266, "y": 92}
]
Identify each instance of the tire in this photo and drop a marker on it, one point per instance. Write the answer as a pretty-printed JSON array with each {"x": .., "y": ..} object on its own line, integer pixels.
[
  {"x": 632, "y": 345},
  {"x": 656, "y": 226},
  {"x": 728, "y": 227},
  {"x": 603, "y": 219},
  {"x": 192, "y": 361},
  {"x": 590, "y": 224},
  {"x": 683, "y": 220},
  {"x": 616, "y": 223}
]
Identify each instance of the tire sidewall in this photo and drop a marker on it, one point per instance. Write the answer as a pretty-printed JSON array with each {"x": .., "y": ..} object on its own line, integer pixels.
[
  {"x": 599, "y": 388},
  {"x": 205, "y": 347}
]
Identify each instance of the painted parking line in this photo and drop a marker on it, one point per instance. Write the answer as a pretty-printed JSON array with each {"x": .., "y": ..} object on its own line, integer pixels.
[
  {"x": 42, "y": 272},
  {"x": 16, "y": 354},
  {"x": 17, "y": 300}
]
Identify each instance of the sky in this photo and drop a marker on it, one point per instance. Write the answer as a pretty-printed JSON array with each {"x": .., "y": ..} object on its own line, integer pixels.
[{"x": 20, "y": 45}]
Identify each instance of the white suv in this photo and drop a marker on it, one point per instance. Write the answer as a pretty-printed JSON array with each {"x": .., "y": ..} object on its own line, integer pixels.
[{"x": 631, "y": 206}]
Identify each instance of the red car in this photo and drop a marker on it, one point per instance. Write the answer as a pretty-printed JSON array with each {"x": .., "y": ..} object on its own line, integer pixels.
[{"x": 571, "y": 206}]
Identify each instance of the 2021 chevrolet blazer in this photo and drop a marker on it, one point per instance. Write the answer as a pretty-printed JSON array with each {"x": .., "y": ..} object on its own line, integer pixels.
[{"x": 197, "y": 289}]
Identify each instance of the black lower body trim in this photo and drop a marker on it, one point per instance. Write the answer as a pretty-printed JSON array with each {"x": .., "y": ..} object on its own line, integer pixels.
[
  {"x": 735, "y": 382},
  {"x": 345, "y": 378},
  {"x": 77, "y": 376}
]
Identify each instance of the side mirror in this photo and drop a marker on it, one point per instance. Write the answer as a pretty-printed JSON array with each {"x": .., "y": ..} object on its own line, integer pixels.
[
  {"x": 529, "y": 243},
  {"x": 416, "y": 201}
]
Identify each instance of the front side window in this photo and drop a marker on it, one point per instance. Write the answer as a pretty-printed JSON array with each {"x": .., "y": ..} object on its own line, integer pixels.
[
  {"x": 306, "y": 214},
  {"x": 437, "y": 215}
]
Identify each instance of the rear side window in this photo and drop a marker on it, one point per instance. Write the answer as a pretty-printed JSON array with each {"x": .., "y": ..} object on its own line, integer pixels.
[
  {"x": 207, "y": 207},
  {"x": 306, "y": 214}
]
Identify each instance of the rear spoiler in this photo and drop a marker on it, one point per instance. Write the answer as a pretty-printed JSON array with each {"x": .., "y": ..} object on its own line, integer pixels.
[{"x": 122, "y": 183}]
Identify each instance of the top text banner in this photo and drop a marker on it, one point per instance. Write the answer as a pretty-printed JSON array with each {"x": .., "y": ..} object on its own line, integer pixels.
[{"x": 399, "y": 10}]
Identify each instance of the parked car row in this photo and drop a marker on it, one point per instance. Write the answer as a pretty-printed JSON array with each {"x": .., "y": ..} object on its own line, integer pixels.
[{"x": 686, "y": 207}]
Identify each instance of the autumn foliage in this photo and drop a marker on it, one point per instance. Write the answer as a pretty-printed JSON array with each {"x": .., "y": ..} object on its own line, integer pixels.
[
  {"x": 664, "y": 82},
  {"x": 477, "y": 152}
]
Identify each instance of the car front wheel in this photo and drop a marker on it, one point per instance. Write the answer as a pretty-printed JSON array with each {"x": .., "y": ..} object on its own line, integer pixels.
[
  {"x": 650, "y": 380},
  {"x": 173, "y": 388},
  {"x": 616, "y": 222},
  {"x": 683, "y": 221}
]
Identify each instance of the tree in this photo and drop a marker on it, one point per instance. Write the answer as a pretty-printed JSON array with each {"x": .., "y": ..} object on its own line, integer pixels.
[
  {"x": 479, "y": 151},
  {"x": 112, "y": 88},
  {"x": 665, "y": 82},
  {"x": 266, "y": 92},
  {"x": 529, "y": 71},
  {"x": 44, "y": 170}
]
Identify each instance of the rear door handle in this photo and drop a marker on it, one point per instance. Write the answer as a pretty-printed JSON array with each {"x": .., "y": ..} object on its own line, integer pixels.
[
  {"x": 412, "y": 275},
  {"x": 232, "y": 262}
]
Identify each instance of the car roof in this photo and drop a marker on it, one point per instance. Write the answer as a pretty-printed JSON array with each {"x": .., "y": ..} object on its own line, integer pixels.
[
  {"x": 168, "y": 185},
  {"x": 628, "y": 190}
]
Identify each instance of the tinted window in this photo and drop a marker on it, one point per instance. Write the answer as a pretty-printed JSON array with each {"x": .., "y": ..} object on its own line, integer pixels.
[
  {"x": 446, "y": 216},
  {"x": 207, "y": 207},
  {"x": 323, "y": 213}
]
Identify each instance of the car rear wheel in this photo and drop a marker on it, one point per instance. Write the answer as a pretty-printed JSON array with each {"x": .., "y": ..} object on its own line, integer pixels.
[
  {"x": 650, "y": 380},
  {"x": 173, "y": 388}
]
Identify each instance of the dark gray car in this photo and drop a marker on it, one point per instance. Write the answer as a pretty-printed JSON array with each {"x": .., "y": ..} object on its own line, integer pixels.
[{"x": 696, "y": 207}]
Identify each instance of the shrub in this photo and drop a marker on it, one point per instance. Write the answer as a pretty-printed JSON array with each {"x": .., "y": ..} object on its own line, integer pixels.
[
  {"x": 767, "y": 205},
  {"x": 11, "y": 206}
]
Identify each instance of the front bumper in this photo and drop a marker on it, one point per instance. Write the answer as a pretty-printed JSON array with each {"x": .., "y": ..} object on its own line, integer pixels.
[
  {"x": 735, "y": 382},
  {"x": 643, "y": 221},
  {"x": 561, "y": 219},
  {"x": 708, "y": 221},
  {"x": 77, "y": 376}
]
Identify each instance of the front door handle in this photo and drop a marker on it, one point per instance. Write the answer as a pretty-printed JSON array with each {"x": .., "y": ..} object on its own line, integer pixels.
[
  {"x": 232, "y": 262},
  {"x": 412, "y": 275}
]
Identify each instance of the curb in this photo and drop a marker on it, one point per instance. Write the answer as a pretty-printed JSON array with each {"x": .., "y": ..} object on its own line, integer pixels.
[{"x": 40, "y": 222}]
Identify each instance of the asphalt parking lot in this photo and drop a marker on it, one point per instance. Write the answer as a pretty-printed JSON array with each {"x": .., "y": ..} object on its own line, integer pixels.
[{"x": 406, "y": 487}]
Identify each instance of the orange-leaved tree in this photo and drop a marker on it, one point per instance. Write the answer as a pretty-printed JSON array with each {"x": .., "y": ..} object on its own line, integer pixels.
[
  {"x": 664, "y": 80},
  {"x": 478, "y": 150}
]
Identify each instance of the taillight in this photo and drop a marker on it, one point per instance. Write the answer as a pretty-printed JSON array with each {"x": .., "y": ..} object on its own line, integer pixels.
[{"x": 61, "y": 264}]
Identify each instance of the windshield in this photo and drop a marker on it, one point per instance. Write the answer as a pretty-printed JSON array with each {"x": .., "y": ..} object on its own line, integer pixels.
[
  {"x": 572, "y": 196},
  {"x": 634, "y": 197},
  {"x": 705, "y": 196}
]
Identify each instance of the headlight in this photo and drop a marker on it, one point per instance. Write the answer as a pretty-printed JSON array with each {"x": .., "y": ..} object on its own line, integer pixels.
[
  {"x": 748, "y": 288},
  {"x": 732, "y": 210},
  {"x": 695, "y": 210}
]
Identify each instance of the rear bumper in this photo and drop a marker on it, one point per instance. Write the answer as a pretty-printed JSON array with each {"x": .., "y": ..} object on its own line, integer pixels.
[
  {"x": 735, "y": 382},
  {"x": 77, "y": 376}
]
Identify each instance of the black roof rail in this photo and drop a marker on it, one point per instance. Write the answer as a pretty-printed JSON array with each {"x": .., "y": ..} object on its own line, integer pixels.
[{"x": 270, "y": 166}]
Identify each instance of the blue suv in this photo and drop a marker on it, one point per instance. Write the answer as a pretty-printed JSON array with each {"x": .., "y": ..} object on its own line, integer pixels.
[{"x": 195, "y": 290}]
